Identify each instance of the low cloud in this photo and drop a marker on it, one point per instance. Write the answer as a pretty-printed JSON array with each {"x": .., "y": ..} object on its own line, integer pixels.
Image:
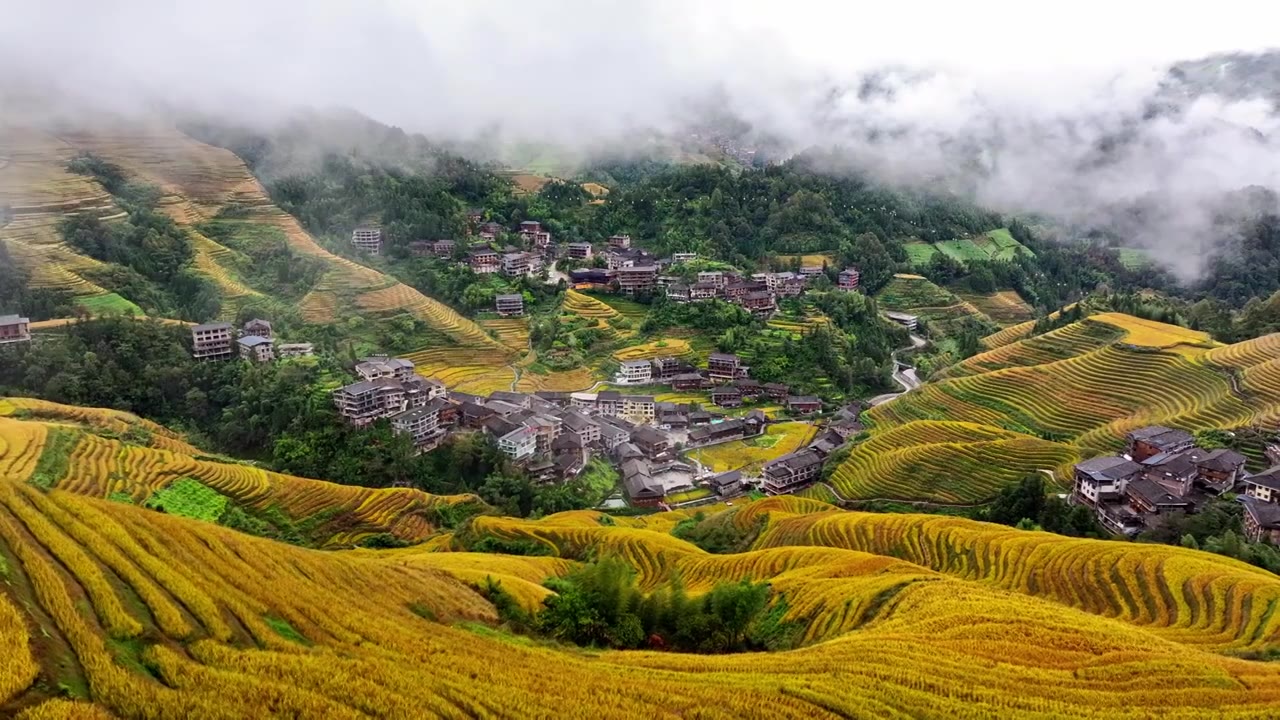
[{"x": 1058, "y": 111}]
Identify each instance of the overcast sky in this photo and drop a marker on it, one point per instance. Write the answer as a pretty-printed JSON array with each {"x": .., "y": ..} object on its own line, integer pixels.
[
  {"x": 568, "y": 66},
  {"x": 1035, "y": 85}
]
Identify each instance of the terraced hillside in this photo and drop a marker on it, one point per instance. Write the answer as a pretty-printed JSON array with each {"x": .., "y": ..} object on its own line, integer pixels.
[
  {"x": 938, "y": 307},
  {"x": 86, "y": 452},
  {"x": 1070, "y": 393},
  {"x": 1014, "y": 333},
  {"x": 1005, "y": 308},
  {"x": 130, "y": 613},
  {"x": 197, "y": 182},
  {"x": 993, "y": 245}
]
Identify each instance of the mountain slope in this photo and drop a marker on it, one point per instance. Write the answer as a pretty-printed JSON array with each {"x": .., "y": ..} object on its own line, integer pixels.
[
  {"x": 92, "y": 452},
  {"x": 198, "y": 183},
  {"x": 1046, "y": 401},
  {"x": 184, "y": 619}
]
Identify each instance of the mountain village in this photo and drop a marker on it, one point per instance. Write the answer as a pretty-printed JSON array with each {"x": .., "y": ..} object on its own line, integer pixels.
[{"x": 554, "y": 435}]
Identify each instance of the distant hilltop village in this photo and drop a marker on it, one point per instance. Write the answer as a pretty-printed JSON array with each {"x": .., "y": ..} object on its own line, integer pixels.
[{"x": 617, "y": 267}]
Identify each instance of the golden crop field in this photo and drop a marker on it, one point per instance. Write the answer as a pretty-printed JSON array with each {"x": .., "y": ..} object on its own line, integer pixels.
[
  {"x": 586, "y": 306},
  {"x": 779, "y": 439},
  {"x": 1014, "y": 333},
  {"x": 666, "y": 347},
  {"x": 1066, "y": 395},
  {"x": 464, "y": 369},
  {"x": 101, "y": 466},
  {"x": 945, "y": 462},
  {"x": 557, "y": 380},
  {"x": 512, "y": 332},
  {"x": 129, "y": 612},
  {"x": 116, "y": 421}
]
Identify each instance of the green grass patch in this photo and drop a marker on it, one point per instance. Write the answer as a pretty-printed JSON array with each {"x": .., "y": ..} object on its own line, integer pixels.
[
  {"x": 598, "y": 479},
  {"x": 689, "y": 495},
  {"x": 962, "y": 250},
  {"x": 919, "y": 252},
  {"x": 109, "y": 304},
  {"x": 55, "y": 461},
  {"x": 121, "y": 497},
  {"x": 1133, "y": 258},
  {"x": 189, "y": 498},
  {"x": 128, "y": 654},
  {"x": 764, "y": 441},
  {"x": 285, "y": 630}
]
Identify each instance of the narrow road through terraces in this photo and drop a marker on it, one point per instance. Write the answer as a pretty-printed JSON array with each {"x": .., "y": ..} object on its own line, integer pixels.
[{"x": 903, "y": 374}]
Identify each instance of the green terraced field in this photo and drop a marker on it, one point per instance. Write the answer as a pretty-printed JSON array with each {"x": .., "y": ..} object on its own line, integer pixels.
[
  {"x": 920, "y": 252},
  {"x": 963, "y": 250},
  {"x": 993, "y": 245},
  {"x": 108, "y": 304},
  {"x": 1134, "y": 258}
]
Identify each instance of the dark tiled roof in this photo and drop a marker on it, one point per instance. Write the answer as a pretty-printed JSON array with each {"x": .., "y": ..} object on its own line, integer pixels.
[
  {"x": 1108, "y": 468},
  {"x": 1269, "y": 478},
  {"x": 1153, "y": 493},
  {"x": 1267, "y": 515},
  {"x": 1148, "y": 432},
  {"x": 796, "y": 460},
  {"x": 649, "y": 435},
  {"x": 1222, "y": 460}
]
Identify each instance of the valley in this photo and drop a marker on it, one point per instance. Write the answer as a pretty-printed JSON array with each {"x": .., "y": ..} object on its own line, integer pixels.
[{"x": 381, "y": 438}]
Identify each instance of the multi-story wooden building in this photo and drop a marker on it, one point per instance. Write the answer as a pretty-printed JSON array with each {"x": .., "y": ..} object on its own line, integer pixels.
[
  {"x": 483, "y": 261},
  {"x": 511, "y": 305},
  {"x": 367, "y": 239},
  {"x": 213, "y": 341},
  {"x": 725, "y": 366},
  {"x": 637, "y": 279},
  {"x": 259, "y": 327},
  {"x": 1155, "y": 439},
  {"x": 792, "y": 472},
  {"x": 14, "y": 329},
  {"x": 256, "y": 349}
]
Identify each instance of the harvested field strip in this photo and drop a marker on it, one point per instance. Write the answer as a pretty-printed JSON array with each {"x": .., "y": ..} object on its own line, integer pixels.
[{"x": 556, "y": 380}]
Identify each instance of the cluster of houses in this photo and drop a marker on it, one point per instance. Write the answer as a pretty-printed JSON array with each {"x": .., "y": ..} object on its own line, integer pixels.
[
  {"x": 1163, "y": 472},
  {"x": 553, "y": 435},
  {"x": 633, "y": 272},
  {"x": 14, "y": 329},
  {"x": 728, "y": 379},
  {"x": 255, "y": 341}
]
